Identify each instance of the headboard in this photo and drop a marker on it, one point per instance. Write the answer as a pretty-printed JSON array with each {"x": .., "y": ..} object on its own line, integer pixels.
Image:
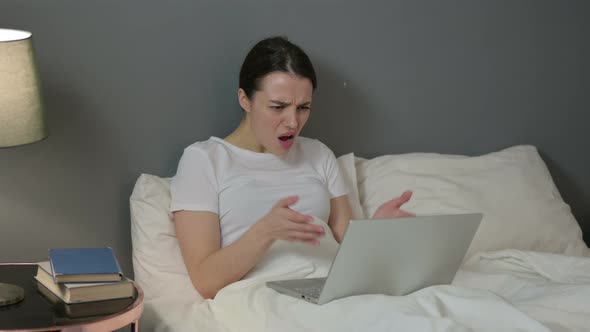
[{"x": 129, "y": 84}]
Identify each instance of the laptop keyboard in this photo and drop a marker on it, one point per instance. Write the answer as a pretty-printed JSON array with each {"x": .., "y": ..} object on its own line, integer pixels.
[{"x": 313, "y": 292}]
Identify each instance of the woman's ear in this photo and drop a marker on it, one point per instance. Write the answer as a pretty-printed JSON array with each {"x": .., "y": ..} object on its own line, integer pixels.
[{"x": 244, "y": 100}]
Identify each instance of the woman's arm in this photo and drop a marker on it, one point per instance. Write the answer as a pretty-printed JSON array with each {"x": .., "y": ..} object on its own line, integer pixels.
[
  {"x": 340, "y": 214},
  {"x": 211, "y": 267}
]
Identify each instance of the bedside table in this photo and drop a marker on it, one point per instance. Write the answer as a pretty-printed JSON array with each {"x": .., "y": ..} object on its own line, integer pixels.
[{"x": 38, "y": 312}]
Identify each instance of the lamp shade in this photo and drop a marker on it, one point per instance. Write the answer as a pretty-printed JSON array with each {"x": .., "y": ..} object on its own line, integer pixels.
[{"x": 21, "y": 106}]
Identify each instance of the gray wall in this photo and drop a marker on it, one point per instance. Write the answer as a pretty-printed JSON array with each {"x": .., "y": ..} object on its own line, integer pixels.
[{"x": 129, "y": 84}]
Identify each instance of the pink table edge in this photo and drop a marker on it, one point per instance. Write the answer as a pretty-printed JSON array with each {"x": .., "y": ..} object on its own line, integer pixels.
[{"x": 113, "y": 322}]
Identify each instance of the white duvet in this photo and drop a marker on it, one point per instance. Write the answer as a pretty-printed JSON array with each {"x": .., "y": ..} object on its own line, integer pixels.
[{"x": 507, "y": 290}]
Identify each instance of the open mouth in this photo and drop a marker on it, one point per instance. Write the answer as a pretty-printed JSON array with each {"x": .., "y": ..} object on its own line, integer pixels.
[
  {"x": 286, "y": 138},
  {"x": 286, "y": 141}
]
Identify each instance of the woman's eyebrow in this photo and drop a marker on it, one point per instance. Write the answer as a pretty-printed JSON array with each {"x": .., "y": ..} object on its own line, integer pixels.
[{"x": 284, "y": 103}]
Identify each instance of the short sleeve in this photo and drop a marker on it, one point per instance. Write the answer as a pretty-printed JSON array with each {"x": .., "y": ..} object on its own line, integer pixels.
[
  {"x": 335, "y": 180},
  {"x": 194, "y": 187}
]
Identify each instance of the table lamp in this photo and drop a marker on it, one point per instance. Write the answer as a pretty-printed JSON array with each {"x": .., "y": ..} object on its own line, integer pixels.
[{"x": 21, "y": 110}]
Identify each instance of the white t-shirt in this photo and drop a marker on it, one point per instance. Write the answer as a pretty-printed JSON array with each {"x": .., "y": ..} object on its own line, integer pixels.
[{"x": 241, "y": 186}]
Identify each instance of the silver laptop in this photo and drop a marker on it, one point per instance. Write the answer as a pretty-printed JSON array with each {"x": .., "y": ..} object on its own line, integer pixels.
[{"x": 390, "y": 256}]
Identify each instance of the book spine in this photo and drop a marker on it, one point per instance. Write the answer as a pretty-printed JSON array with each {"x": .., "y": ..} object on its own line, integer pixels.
[{"x": 53, "y": 275}]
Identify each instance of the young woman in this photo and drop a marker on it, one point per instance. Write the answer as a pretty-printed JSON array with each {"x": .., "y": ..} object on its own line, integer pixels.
[{"x": 232, "y": 198}]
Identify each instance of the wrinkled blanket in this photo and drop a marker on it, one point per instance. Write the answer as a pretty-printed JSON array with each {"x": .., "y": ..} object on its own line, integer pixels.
[{"x": 506, "y": 290}]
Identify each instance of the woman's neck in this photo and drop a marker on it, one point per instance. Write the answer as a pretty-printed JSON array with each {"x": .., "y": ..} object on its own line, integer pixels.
[{"x": 244, "y": 138}]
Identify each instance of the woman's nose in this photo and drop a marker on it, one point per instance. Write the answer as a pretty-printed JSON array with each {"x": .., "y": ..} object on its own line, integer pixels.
[{"x": 291, "y": 120}]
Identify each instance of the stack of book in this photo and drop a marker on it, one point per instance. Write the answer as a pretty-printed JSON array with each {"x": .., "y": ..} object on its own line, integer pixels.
[{"x": 80, "y": 275}]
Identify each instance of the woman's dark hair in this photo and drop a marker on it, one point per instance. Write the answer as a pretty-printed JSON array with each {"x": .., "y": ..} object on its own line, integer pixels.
[{"x": 270, "y": 55}]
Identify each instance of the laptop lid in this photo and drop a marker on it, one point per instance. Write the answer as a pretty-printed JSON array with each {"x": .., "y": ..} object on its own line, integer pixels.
[{"x": 399, "y": 256}]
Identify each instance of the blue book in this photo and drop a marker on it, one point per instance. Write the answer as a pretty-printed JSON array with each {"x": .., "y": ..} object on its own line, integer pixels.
[{"x": 84, "y": 265}]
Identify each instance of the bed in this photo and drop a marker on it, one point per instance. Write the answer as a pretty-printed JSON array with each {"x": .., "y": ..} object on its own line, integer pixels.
[{"x": 527, "y": 269}]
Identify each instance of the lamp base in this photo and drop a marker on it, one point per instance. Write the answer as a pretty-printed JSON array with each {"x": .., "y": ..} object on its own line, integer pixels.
[{"x": 10, "y": 294}]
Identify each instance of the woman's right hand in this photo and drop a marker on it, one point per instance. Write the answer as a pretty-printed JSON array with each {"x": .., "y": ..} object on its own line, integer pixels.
[{"x": 283, "y": 223}]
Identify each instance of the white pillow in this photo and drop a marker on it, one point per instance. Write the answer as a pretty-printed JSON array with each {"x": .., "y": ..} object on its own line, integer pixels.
[
  {"x": 513, "y": 189},
  {"x": 157, "y": 260}
]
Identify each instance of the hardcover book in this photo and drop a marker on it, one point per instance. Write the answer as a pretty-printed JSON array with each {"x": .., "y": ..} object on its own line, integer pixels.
[
  {"x": 83, "y": 292},
  {"x": 84, "y": 265},
  {"x": 64, "y": 312}
]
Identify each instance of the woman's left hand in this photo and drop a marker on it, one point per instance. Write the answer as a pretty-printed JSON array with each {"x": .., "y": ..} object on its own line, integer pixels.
[{"x": 391, "y": 209}]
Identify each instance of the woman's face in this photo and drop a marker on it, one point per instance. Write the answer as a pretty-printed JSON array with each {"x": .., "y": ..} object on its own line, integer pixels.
[{"x": 278, "y": 110}]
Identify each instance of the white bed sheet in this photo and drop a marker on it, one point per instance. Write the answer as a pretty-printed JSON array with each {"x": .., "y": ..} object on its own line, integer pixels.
[{"x": 507, "y": 290}]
